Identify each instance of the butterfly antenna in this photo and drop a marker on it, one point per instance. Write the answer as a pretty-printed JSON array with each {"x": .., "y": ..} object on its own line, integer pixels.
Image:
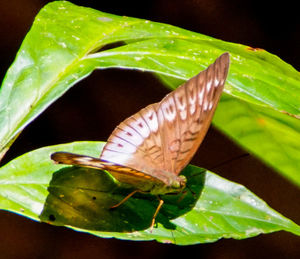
[{"x": 229, "y": 161}]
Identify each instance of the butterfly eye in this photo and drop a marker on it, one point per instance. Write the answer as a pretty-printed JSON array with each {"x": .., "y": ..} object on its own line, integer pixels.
[
  {"x": 182, "y": 179},
  {"x": 175, "y": 185}
]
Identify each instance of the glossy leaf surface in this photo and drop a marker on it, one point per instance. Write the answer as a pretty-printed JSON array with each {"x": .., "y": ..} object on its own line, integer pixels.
[{"x": 209, "y": 209}]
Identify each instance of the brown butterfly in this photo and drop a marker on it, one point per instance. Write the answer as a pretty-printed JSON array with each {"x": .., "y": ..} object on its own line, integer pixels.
[{"x": 149, "y": 149}]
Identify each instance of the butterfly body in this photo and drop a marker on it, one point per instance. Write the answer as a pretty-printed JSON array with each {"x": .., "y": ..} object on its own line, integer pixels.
[{"x": 149, "y": 149}]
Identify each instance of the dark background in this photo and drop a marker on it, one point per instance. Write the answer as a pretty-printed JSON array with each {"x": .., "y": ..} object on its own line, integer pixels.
[{"x": 96, "y": 105}]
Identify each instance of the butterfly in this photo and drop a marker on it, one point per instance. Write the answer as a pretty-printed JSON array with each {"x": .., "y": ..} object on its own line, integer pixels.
[{"x": 149, "y": 149}]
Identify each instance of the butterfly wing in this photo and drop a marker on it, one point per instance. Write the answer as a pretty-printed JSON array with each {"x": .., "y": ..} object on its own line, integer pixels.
[
  {"x": 164, "y": 136},
  {"x": 124, "y": 174}
]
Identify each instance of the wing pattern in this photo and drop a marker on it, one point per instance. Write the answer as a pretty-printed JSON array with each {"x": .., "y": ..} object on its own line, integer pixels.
[{"x": 164, "y": 136}]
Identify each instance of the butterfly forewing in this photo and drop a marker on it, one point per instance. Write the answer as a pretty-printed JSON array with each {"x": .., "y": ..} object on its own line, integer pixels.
[
  {"x": 202, "y": 94},
  {"x": 164, "y": 136}
]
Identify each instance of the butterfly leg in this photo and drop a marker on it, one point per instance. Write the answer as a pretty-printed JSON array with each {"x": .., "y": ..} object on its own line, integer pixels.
[
  {"x": 125, "y": 199},
  {"x": 183, "y": 194},
  {"x": 161, "y": 202}
]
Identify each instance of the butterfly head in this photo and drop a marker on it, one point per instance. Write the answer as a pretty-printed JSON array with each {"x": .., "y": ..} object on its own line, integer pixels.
[
  {"x": 174, "y": 185},
  {"x": 179, "y": 183}
]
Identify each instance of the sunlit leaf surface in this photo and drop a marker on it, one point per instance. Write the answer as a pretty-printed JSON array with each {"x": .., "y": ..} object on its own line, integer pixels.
[{"x": 209, "y": 208}]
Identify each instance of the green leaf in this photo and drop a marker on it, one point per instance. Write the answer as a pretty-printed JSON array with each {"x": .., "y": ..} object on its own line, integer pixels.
[
  {"x": 209, "y": 209},
  {"x": 272, "y": 136}
]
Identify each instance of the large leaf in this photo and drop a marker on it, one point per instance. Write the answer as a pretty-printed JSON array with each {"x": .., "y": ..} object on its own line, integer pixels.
[
  {"x": 272, "y": 136},
  {"x": 209, "y": 209},
  {"x": 64, "y": 45}
]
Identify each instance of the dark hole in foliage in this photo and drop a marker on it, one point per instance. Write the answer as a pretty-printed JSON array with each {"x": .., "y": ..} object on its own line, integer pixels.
[{"x": 52, "y": 217}]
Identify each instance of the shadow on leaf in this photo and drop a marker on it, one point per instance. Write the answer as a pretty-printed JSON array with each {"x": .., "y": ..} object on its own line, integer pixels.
[{"x": 83, "y": 198}]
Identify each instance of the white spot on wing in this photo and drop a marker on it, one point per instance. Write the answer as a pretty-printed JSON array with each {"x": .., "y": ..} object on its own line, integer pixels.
[
  {"x": 151, "y": 119},
  {"x": 208, "y": 85},
  {"x": 192, "y": 108},
  {"x": 205, "y": 105},
  {"x": 180, "y": 101},
  {"x": 121, "y": 146},
  {"x": 183, "y": 114},
  {"x": 200, "y": 96},
  {"x": 217, "y": 82},
  {"x": 192, "y": 97},
  {"x": 141, "y": 127},
  {"x": 131, "y": 136},
  {"x": 168, "y": 108},
  {"x": 118, "y": 158}
]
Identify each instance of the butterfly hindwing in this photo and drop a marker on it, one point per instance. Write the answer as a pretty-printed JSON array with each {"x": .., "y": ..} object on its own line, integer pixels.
[{"x": 122, "y": 173}]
